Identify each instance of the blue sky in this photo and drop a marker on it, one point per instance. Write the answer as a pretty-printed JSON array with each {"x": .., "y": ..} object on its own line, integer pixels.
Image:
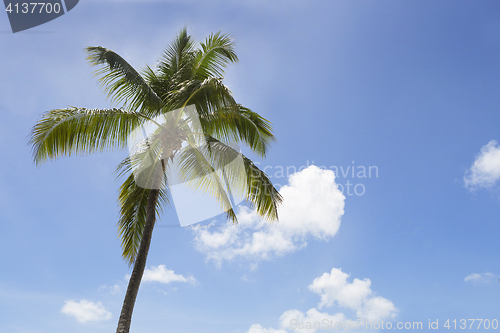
[{"x": 409, "y": 88}]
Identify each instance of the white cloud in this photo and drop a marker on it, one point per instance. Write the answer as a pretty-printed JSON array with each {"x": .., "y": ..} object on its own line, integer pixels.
[
  {"x": 335, "y": 289},
  {"x": 477, "y": 278},
  {"x": 256, "y": 328},
  {"x": 376, "y": 308},
  {"x": 164, "y": 275},
  {"x": 312, "y": 208},
  {"x": 357, "y": 295},
  {"x": 116, "y": 289},
  {"x": 310, "y": 321},
  {"x": 485, "y": 171},
  {"x": 85, "y": 311}
]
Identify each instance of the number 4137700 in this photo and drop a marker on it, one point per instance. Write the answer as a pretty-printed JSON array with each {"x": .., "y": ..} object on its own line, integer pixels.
[
  {"x": 33, "y": 8},
  {"x": 471, "y": 324}
]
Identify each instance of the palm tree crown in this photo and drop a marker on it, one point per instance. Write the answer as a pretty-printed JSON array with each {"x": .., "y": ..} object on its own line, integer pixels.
[{"x": 188, "y": 77}]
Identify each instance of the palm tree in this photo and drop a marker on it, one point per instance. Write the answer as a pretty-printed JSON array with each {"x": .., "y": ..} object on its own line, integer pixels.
[{"x": 188, "y": 75}]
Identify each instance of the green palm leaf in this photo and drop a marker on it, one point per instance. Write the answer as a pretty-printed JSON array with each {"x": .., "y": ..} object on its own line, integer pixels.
[
  {"x": 259, "y": 190},
  {"x": 176, "y": 62},
  {"x": 215, "y": 54},
  {"x": 121, "y": 81},
  {"x": 240, "y": 124},
  {"x": 79, "y": 130},
  {"x": 132, "y": 201}
]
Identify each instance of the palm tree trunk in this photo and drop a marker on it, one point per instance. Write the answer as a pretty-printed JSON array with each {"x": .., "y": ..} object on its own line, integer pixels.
[{"x": 139, "y": 265}]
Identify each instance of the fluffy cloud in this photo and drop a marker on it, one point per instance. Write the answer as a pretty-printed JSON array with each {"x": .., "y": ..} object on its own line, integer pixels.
[
  {"x": 85, "y": 311},
  {"x": 357, "y": 295},
  {"x": 477, "y": 278},
  {"x": 312, "y": 208},
  {"x": 335, "y": 289},
  {"x": 164, "y": 275},
  {"x": 485, "y": 171}
]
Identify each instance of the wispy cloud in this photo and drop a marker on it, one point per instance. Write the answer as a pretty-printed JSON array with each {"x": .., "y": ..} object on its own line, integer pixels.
[
  {"x": 85, "y": 311},
  {"x": 312, "y": 208},
  {"x": 477, "y": 278},
  {"x": 115, "y": 289},
  {"x": 485, "y": 171}
]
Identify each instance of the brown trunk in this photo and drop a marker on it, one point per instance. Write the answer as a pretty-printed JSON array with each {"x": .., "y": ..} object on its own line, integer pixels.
[{"x": 139, "y": 265}]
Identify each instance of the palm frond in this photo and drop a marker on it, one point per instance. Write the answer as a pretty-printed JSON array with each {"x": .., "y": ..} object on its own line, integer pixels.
[
  {"x": 215, "y": 54},
  {"x": 121, "y": 81},
  {"x": 161, "y": 86},
  {"x": 208, "y": 95},
  {"x": 176, "y": 61},
  {"x": 260, "y": 191},
  {"x": 79, "y": 130},
  {"x": 133, "y": 201},
  {"x": 240, "y": 124}
]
